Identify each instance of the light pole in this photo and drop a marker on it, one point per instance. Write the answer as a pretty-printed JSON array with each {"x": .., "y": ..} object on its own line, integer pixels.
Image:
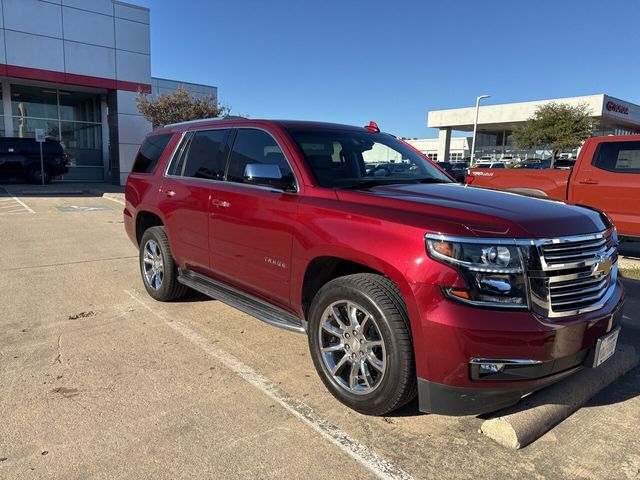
[{"x": 475, "y": 127}]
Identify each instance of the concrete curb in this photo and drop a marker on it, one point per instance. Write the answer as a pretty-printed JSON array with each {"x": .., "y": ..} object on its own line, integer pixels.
[
  {"x": 629, "y": 264},
  {"x": 518, "y": 426},
  {"x": 52, "y": 192},
  {"x": 115, "y": 197}
]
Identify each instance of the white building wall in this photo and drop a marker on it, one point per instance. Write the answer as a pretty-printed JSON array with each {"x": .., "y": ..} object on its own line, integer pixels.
[
  {"x": 103, "y": 43},
  {"x": 508, "y": 113},
  {"x": 460, "y": 147}
]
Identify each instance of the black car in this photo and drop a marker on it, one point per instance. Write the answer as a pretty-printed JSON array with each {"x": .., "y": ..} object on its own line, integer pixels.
[
  {"x": 20, "y": 158},
  {"x": 564, "y": 163},
  {"x": 536, "y": 164},
  {"x": 458, "y": 170}
]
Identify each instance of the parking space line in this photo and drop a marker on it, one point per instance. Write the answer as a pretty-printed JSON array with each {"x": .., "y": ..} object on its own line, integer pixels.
[
  {"x": 17, "y": 200},
  {"x": 359, "y": 452}
]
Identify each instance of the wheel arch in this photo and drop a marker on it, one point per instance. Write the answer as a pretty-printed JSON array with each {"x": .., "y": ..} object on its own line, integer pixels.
[
  {"x": 324, "y": 268},
  {"x": 146, "y": 219}
]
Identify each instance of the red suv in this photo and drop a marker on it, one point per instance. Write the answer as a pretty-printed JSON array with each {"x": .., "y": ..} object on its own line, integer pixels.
[{"x": 404, "y": 281}]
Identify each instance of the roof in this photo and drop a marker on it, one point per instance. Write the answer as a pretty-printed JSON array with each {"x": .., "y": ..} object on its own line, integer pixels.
[{"x": 287, "y": 124}]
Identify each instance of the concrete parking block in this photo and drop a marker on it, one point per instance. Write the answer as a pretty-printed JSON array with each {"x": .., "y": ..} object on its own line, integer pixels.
[{"x": 518, "y": 426}]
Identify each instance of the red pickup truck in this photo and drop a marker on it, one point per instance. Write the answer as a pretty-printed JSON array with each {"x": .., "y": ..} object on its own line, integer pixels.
[
  {"x": 405, "y": 282},
  {"x": 606, "y": 176}
]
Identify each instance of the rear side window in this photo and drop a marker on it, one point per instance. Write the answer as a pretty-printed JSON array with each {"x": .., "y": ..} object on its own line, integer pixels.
[
  {"x": 150, "y": 152},
  {"x": 256, "y": 146},
  {"x": 619, "y": 157},
  {"x": 205, "y": 157}
]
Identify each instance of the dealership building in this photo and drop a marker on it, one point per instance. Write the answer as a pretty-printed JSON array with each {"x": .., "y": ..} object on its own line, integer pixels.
[
  {"x": 74, "y": 68},
  {"x": 496, "y": 124}
]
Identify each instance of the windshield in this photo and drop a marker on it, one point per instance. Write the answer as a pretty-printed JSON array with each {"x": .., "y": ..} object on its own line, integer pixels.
[{"x": 342, "y": 158}]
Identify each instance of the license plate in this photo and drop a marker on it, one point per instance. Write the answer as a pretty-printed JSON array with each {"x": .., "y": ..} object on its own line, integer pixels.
[{"x": 606, "y": 347}]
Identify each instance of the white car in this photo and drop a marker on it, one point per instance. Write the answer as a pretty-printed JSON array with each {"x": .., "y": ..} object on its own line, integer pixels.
[{"x": 496, "y": 165}]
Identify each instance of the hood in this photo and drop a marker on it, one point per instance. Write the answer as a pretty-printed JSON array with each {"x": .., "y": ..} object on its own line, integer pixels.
[{"x": 484, "y": 212}]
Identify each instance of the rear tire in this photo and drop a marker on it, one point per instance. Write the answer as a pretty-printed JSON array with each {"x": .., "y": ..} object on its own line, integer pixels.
[
  {"x": 157, "y": 267},
  {"x": 361, "y": 345}
]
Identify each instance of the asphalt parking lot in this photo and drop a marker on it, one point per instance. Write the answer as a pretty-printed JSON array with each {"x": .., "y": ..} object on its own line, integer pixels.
[{"x": 100, "y": 381}]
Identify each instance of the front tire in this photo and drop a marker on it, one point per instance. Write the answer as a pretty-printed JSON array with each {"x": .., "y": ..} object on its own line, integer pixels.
[
  {"x": 361, "y": 345},
  {"x": 157, "y": 267}
]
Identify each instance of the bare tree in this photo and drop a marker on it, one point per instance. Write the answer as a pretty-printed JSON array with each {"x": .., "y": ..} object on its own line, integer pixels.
[{"x": 178, "y": 106}]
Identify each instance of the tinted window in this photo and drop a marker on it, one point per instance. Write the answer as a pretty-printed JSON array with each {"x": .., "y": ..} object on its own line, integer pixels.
[
  {"x": 345, "y": 158},
  {"x": 620, "y": 157},
  {"x": 204, "y": 156},
  {"x": 150, "y": 152},
  {"x": 256, "y": 146}
]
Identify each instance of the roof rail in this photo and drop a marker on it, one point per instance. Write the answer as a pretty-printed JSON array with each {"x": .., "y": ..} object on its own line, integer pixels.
[{"x": 213, "y": 119}]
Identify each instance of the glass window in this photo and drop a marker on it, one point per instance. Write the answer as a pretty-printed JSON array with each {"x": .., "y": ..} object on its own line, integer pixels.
[
  {"x": 82, "y": 142},
  {"x": 205, "y": 158},
  {"x": 620, "y": 157},
  {"x": 257, "y": 146},
  {"x": 395, "y": 161},
  {"x": 79, "y": 106},
  {"x": 26, "y": 127},
  {"x": 35, "y": 102},
  {"x": 150, "y": 152}
]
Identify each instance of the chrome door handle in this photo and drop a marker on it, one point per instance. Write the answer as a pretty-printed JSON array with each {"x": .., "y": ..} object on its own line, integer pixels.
[
  {"x": 169, "y": 193},
  {"x": 220, "y": 203}
]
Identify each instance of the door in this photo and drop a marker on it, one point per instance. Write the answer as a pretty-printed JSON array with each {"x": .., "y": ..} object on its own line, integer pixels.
[
  {"x": 197, "y": 168},
  {"x": 251, "y": 224},
  {"x": 612, "y": 183}
]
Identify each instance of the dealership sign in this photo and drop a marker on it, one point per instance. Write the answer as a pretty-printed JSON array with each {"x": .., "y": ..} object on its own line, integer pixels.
[{"x": 616, "y": 107}]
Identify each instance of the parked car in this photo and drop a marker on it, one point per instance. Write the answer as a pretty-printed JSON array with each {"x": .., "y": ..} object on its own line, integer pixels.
[
  {"x": 405, "y": 284},
  {"x": 535, "y": 164},
  {"x": 386, "y": 168},
  {"x": 457, "y": 170},
  {"x": 605, "y": 176},
  {"x": 485, "y": 160},
  {"x": 20, "y": 158},
  {"x": 564, "y": 163},
  {"x": 496, "y": 165}
]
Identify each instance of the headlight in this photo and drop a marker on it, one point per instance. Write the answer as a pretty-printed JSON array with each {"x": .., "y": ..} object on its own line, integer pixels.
[{"x": 492, "y": 270}]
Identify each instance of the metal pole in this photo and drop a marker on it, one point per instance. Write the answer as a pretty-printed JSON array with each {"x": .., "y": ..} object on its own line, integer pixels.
[
  {"x": 41, "y": 164},
  {"x": 475, "y": 127}
]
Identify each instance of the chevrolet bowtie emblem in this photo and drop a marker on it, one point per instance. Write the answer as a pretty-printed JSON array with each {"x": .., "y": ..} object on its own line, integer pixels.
[{"x": 603, "y": 267}]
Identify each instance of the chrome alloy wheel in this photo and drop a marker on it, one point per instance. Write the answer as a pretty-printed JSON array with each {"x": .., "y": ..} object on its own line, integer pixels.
[
  {"x": 352, "y": 348},
  {"x": 152, "y": 265}
]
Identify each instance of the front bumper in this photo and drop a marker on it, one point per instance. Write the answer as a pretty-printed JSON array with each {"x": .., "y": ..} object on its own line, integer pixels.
[{"x": 452, "y": 335}]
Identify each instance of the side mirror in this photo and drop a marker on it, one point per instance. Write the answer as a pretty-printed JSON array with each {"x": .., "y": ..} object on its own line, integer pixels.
[{"x": 267, "y": 174}]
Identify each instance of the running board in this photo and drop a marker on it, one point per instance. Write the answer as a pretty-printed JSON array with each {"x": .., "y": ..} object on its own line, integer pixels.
[{"x": 242, "y": 301}]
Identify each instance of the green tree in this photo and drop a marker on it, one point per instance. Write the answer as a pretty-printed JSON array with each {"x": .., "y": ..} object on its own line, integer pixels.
[
  {"x": 556, "y": 126},
  {"x": 178, "y": 106}
]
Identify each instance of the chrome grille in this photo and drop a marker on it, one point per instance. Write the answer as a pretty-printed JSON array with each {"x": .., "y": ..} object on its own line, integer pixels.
[{"x": 577, "y": 273}]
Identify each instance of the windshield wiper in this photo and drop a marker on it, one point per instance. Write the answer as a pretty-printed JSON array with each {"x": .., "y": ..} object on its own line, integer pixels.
[
  {"x": 370, "y": 184},
  {"x": 432, "y": 180},
  {"x": 365, "y": 184}
]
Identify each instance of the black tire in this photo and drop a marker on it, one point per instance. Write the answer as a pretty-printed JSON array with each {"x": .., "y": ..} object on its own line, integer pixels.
[
  {"x": 34, "y": 174},
  {"x": 380, "y": 298},
  {"x": 168, "y": 288}
]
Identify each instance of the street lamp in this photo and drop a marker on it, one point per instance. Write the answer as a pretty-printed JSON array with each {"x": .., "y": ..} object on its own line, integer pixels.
[{"x": 475, "y": 126}]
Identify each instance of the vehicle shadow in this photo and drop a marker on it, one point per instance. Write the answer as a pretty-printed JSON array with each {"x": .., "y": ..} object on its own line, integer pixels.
[
  {"x": 195, "y": 297},
  {"x": 58, "y": 189}
]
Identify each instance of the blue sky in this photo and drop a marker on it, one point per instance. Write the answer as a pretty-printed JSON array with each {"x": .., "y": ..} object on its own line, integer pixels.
[{"x": 352, "y": 61}]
